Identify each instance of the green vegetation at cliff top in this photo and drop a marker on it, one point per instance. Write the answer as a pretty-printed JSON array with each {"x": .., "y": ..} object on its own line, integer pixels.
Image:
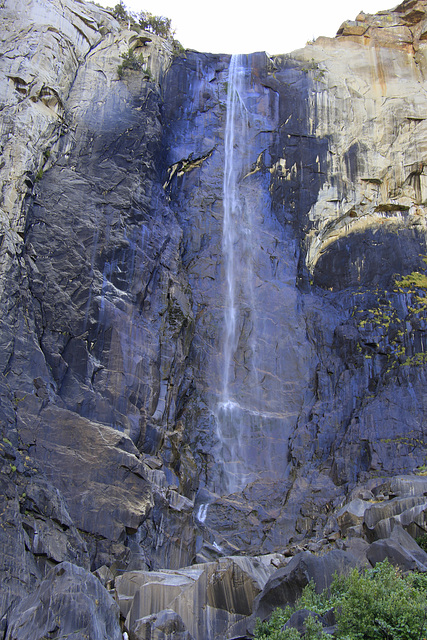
[{"x": 146, "y": 21}]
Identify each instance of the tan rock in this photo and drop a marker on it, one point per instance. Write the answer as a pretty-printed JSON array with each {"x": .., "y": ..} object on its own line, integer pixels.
[
  {"x": 361, "y": 85},
  {"x": 351, "y": 514},
  {"x": 212, "y": 599},
  {"x": 352, "y": 28}
]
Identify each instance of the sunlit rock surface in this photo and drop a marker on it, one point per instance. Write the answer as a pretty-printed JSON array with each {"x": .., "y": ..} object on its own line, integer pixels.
[{"x": 119, "y": 455}]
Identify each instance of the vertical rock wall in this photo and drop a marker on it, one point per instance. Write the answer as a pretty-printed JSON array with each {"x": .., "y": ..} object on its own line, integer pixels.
[
  {"x": 112, "y": 293},
  {"x": 96, "y": 309}
]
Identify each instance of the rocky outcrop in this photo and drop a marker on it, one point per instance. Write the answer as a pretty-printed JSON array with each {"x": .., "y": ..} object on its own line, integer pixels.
[
  {"x": 161, "y": 626},
  {"x": 70, "y": 601},
  {"x": 286, "y": 585},
  {"x": 210, "y": 600},
  {"x": 362, "y": 192},
  {"x": 224, "y": 598},
  {"x": 75, "y": 134}
]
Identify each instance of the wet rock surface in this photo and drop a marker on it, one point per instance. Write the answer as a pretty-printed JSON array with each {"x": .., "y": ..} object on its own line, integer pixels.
[
  {"x": 112, "y": 310},
  {"x": 165, "y": 624},
  {"x": 70, "y": 601},
  {"x": 223, "y": 598}
]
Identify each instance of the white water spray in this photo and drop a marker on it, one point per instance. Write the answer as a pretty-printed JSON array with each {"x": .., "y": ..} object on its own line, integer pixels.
[
  {"x": 233, "y": 422},
  {"x": 235, "y": 139},
  {"x": 202, "y": 512}
]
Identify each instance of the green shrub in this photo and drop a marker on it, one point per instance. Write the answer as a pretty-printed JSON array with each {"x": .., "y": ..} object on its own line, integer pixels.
[
  {"x": 124, "y": 16},
  {"x": 314, "y": 630},
  {"x": 381, "y": 603},
  {"x": 413, "y": 281},
  {"x": 130, "y": 61},
  {"x": 318, "y": 602},
  {"x": 120, "y": 12},
  {"x": 422, "y": 540},
  {"x": 156, "y": 24},
  {"x": 271, "y": 628},
  {"x": 374, "y": 604},
  {"x": 159, "y": 25},
  {"x": 178, "y": 49}
]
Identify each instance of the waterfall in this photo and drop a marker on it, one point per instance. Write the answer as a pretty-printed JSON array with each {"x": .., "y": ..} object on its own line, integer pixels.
[
  {"x": 235, "y": 138},
  {"x": 253, "y": 345},
  {"x": 234, "y": 421},
  {"x": 250, "y": 406}
]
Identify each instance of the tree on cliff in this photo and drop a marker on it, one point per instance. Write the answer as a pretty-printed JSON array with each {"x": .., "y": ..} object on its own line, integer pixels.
[{"x": 159, "y": 25}]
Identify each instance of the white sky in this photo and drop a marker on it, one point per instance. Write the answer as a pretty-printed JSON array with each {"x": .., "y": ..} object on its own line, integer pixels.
[{"x": 239, "y": 26}]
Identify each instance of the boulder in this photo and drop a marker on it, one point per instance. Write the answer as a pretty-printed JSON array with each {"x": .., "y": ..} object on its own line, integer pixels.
[
  {"x": 358, "y": 547},
  {"x": 410, "y": 512},
  {"x": 402, "y": 486},
  {"x": 70, "y": 602},
  {"x": 286, "y": 585},
  {"x": 161, "y": 626},
  {"x": 400, "y": 535},
  {"x": 352, "y": 28},
  {"x": 390, "y": 508},
  {"x": 297, "y": 620},
  {"x": 211, "y": 599},
  {"x": 351, "y": 514},
  {"x": 400, "y": 549},
  {"x": 392, "y": 551}
]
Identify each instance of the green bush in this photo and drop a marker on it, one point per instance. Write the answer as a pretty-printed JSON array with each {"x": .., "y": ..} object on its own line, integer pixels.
[
  {"x": 271, "y": 629},
  {"x": 422, "y": 540},
  {"x": 318, "y": 602},
  {"x": 159, "y": 25},
  {"x": 381, "y": 603},
  {"x": 130, "y": 61},
  {"x": 120, "y": 12},
  {"x": 374, "y": 604},
  {"x": 156, "y": 24},
  {"x": 314, "y": 630}
]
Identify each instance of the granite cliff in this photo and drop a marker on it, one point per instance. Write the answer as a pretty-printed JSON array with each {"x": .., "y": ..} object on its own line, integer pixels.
[{"x": 146, "y": 452}]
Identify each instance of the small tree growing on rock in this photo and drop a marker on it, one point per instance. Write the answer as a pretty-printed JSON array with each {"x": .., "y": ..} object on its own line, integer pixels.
[
  {"x": 130, "y": 61},
  {"x": 156, "y": 24}
]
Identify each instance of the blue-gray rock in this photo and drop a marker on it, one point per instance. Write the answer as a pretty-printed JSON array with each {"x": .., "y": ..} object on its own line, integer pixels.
[
  {"x": 399, "y": 549},
  {"x": 69, "y": 602},
  {"x": 286, "y": 585},
  {"x": 113, "y": 281},
  {"x": 298, "y": 620}
]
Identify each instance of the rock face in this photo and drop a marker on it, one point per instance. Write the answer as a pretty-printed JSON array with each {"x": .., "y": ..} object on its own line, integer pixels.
[
  {"x": 214, "y": 599},
  {"x": 286, "y": 585},
  {"x": 158, "y": 417},
  {"x": 69, "y": 601}
]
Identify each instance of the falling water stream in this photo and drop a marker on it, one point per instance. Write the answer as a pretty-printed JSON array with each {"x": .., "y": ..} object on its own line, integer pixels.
[
  {"x": 253, "y": 406},
  {"x": 239, "y": 300},
  {"x": 235, "y": 129}
]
